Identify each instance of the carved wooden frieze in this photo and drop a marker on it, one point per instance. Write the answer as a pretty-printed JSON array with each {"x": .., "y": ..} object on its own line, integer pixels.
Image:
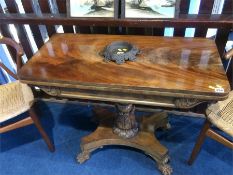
[{"x": 186, "y": 102}]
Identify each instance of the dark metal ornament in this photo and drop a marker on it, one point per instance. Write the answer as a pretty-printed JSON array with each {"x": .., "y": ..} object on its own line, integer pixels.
[{"x": 120, "y": 51}]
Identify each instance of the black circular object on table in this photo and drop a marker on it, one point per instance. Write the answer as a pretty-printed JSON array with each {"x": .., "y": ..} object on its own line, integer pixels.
[{"x": 120, "y": 51}]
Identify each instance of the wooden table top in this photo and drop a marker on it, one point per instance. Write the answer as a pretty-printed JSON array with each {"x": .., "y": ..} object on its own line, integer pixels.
[{"x": 177, "y": 65}]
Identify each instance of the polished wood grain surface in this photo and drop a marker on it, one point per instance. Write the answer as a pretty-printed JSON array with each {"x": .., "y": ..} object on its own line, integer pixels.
[{"x": 180, "y": 65}]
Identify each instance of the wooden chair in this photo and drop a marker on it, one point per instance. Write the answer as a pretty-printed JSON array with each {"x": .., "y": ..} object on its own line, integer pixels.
[
  {"x": 17, "y": 98},
  {"x": 221, "y": 116}
]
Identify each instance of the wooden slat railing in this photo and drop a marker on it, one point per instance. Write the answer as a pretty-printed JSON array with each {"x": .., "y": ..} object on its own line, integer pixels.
[
  {"x": 222, "y": 37},
  {"x": 186, "y": 20},
  {"x": 4, "y": 29},
  {"x": 61, "y": 4},
  {"x": 44, "y": 6},
  {"x": 228, "y": 7},
  {"x": 22, "y": 34},
  {"x": 184, "y": 8},
  {"x": 205, "y": 8},
  {"x": 34, "y": 28}
]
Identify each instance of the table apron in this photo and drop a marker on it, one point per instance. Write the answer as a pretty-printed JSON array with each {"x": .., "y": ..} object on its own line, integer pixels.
[{"x": 126, "y": 98}]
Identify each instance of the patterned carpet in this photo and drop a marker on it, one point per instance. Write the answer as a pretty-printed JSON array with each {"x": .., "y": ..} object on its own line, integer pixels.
[{"x": 23, "y": 152}]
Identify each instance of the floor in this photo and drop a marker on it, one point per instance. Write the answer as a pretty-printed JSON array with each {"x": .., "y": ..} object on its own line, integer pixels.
[{"x": 23, "y": 151}]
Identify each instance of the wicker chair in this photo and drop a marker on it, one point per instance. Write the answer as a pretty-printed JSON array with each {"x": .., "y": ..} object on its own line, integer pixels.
[
  {"x": 221, "y": 116},
  {"x": 17, "y": 98}
]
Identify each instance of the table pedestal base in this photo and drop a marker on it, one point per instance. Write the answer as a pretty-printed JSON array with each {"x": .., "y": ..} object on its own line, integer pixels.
[{"x": 143, "y": 140}]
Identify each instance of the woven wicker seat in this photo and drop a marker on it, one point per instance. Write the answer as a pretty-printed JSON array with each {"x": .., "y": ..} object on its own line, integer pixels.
[
  {"x": 220, "y": 115},
  {"x": 17, "y": 98}
]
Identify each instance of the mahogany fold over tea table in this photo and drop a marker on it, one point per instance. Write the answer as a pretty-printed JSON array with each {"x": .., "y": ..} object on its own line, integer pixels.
[{"x": 168, "y": 72}]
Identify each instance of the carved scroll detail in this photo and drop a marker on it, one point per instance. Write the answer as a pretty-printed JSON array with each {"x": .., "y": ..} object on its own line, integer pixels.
[
  {"x": 187, "y": 102},
  {"x": 52, "y": 91}
]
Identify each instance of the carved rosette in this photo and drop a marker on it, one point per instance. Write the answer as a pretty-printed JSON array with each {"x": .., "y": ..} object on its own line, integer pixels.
[
  {"x": 125, "y": 124},
  {"x": 120, "y": 52},
  {"x": 186, "y": 102}
]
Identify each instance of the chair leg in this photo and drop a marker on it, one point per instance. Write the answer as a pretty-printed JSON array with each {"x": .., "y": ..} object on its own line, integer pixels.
[
  {"x": 199, "y": 142},
  {"x": 41, "y": 130}
]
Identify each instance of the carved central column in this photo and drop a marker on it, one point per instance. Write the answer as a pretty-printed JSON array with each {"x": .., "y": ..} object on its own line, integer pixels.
[{"x": 125, "y": 124}]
